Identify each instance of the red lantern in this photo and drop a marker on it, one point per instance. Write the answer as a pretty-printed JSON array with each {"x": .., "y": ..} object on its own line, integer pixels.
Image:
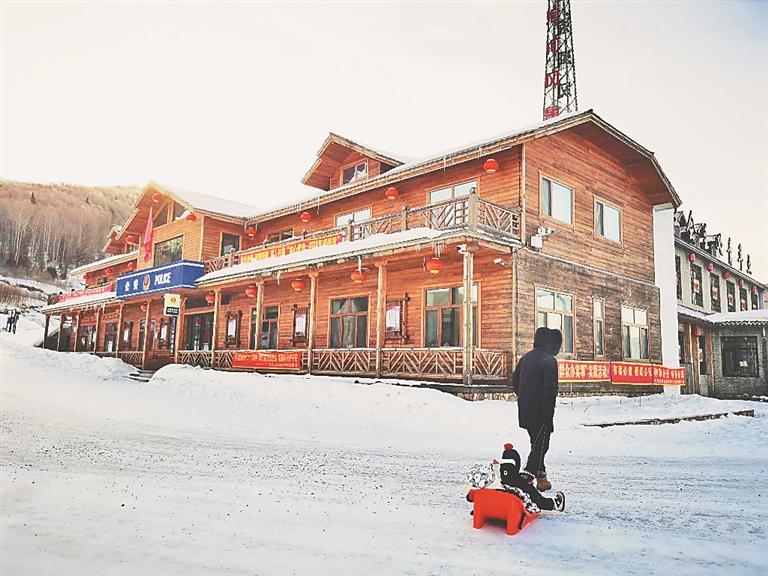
[
  {"x": 305, "y": 217},
  {"x": 210, "y": 297},
  {"x": 108, "y": 271},
  {"x": 698, "y": 332},
  {"x": 144, "y": 307},
  {"x": 157, "y": 197},
  {"x": 491, "y": 166},
  {"x": 131, "y": 239},
  {"x": 710, "y": 266},
  {"x": 435, "y": 265},
  {"x": 191, "y": 217},
  {"x": 132, "y": 265},
  {"x": 392, "y": 193},
  {"x": 741, "y": 282},
  {"x": 251, "y": 291},
  {"x": 692, "y": 257},
  {"x": 297, "y": 285},
  {"x": 250, "y": 231},
  {"x": 754, "y": 289},
  {"x": 726, "y": 274},
  {"x": 358, "y": 276}
]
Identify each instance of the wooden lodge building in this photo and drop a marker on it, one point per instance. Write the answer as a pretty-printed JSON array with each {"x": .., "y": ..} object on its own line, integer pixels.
[{"x": 438, "y": 269}]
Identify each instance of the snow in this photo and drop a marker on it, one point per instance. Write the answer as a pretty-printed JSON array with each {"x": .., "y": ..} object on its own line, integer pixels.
[
  {"x": 33, "y": 284},
  {"x": 744, "y": 316},
  {"x": 80, "y": 301},
  {"x": 208, "y": 203},
  {"x": 321, "y": 253},
  {"x": 96, "y": 265},
  {"x": 204, "y": 472}
]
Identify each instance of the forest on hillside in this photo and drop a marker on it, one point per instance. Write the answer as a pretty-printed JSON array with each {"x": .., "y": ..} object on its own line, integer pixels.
[{"x": 48, "y": 229}]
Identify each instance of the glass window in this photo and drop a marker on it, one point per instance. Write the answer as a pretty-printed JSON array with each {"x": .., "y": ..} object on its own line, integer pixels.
[
  {"x": 286, "y": 234},
  {"x": 353, "y": 173},
  {"x": 607, "y": 221},
  {"x": 599, "y": 319},
  {"x": 161, "y": 217},
  {"x": 555, "y": 310},
  {"x": 743, "y": 300},
  {"x": 198, "y": 331},
  {"x": 454, "y": 191},
  {"x": 739, "y": 355},
  {"x": 702, "y": 355},
  {"x": 556, "y": 200},
  {"x": 678, "y": 275},
  {"x": 697, "y": 296},
  {"x": 754, "y": 301},
  {"x": 229, "y": 243},
  {"x": 268, "y": 329},
  {"x": 357, "y": 216},
  {"x": 714, "y": 291},
  {"x": 168, "y": 251},
  {"x": 178, "y": 210},
  {"x": 125, "y": 343},
  {"x": 634, "y": 328},
  {"x": 443, "y": 315},
  {"x": 731, "y": 289},
  {"x": 349, "y": 322},
  {"x": 110, "y": 337}
]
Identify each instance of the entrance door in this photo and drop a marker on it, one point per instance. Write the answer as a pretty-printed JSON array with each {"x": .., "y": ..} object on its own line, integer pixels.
[{"x": 198, "y": 331}]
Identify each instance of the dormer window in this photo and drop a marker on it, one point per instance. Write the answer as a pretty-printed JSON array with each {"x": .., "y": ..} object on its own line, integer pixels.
[{"x": 354, "y": 173}]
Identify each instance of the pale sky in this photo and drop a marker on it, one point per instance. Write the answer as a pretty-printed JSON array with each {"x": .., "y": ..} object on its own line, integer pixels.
[{"x": 234, "y": 99}]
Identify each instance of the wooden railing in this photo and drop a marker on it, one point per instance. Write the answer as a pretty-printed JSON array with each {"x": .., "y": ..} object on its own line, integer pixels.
[
  {"x": 470, "y": 212},
  {"x": 356, "y": 361},
  {"x": 202, "y": 358},
  {"x": 133, "y": 357}
]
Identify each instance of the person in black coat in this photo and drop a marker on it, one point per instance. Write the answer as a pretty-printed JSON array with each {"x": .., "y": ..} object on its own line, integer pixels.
[{"x": 535, "y": 383}]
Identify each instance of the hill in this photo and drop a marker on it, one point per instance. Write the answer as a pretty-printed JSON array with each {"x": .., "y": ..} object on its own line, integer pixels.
[{"x": 47, "y": 229}]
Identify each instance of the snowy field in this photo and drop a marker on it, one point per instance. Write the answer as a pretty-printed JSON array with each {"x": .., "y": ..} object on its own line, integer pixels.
[{"x": 200, "y": 472}]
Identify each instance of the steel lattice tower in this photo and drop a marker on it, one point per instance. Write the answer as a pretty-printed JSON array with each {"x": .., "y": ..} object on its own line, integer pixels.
[{"x": 560, "y": 69}]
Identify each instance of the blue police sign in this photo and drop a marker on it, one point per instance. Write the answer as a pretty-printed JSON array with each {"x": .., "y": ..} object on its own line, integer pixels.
[{"x": 181, "y": 274}]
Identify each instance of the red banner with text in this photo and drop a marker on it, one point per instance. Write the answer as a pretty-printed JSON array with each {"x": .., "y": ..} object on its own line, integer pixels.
[
  {"x": 268, "y": 359},
  {"x": 574, "y": 371},
  {"x": 619, "y": 373}
]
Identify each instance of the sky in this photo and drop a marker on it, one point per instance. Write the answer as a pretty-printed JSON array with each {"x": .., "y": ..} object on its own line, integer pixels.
[{"x": 234, "y": 99}]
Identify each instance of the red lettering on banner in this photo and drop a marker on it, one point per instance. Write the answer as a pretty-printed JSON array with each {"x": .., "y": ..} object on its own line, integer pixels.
[
  {"x": 86, "y": 292},
  {"x": 291, "y": 247},
  {"x": 268, "y": 359}
]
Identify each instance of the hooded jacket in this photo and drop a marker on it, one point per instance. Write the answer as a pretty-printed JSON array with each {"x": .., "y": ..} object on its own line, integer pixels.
[{"x": 535, "y": 381}]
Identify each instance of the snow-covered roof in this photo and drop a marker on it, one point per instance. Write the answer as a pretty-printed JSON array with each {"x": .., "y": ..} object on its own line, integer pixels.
[
  {"x": 116, "y": 259},
  {"x": 208, "y": 203},
  {"x": 742, "y": 317},
  {"x": 322, "y": 253},
  {"x": 80, "y": 301}
]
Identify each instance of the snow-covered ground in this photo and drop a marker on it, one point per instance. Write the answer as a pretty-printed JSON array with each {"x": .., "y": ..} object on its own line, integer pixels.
[{"x": 201, "y": 472}]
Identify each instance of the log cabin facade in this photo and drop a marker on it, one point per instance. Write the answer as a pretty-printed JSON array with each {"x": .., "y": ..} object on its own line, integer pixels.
[{"x": 438, "y": 269}]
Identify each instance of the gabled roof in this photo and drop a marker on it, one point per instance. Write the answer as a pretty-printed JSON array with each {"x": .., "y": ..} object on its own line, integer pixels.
[
  {"x": 589, "y": 123},
  {"x": 331, "y": 155},
  {"x": 99, "y": 264}
]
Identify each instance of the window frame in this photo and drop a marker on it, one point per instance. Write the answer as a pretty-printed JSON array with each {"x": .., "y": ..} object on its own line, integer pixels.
[
  {"x": 168, "y": 211},
  {"x": 268, "y": 238},
  {"x": 679, "y": 276},
  {"x": 743, "y": 299},
  {"x": 356, "y": 163},
  {"x": 714, "y": 283},
  {"x": 425, "y": 309},
  {"x": 755, "y": 300},
  {"x": 549, "y": 217},
  {"x": 599, "y": 200},
  {"x": 755, "y": 350},
  {"x": 647, "y": 327},
  {"x": 730, "y": 291},
  {"x": 367, "y": 314},
  {"x": 180, "y": 237},
  {"x": 595, "y": 320},
  {"x": 352, "y": 213},
  {"x": 221, "y": 242},
  {"x": 452, "y": 186},
  {"x": 536, "y": 310},
  {"x": 694, "y": 300}
]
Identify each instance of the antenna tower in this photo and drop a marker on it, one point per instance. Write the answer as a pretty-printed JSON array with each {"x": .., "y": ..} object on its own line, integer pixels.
[{"x": 560, "y": 69}]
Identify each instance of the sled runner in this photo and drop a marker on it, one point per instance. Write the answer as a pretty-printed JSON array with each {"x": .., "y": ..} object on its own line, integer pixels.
[{"x": 499, "y": 505}]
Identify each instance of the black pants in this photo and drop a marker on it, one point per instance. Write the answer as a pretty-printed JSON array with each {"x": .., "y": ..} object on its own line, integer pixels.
[
  {"x": 539, "y": 446},
  {"x": 541, "y": 501}
]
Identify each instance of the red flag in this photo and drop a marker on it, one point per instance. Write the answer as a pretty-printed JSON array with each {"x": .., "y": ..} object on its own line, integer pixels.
[{"x": 148, "y": 238}]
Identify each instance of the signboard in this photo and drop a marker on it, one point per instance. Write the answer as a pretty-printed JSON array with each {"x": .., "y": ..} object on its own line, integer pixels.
[
  {"x": 86, "y": 292},
  {"x": 268, "y": 359},
  {"x": 573, "y": 371},
  {"x": 181, "y": 274},
  {"x": 631, "y": 373},
  {"x": 668, "y": 376},
  {"x": 171, "y": 304},
  {"x": 291, "y": 247}
]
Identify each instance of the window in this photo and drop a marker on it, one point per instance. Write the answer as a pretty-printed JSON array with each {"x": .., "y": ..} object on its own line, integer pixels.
[
  {"x": 443, "y": 317},
  {"x": 110, "y": 337},
  {"x": 754, "y": 301},
  {"x": 349, "y": 322},
  {"x": 127, "y": 333},
  {"x": 267, "y": 330},
  {"x": 555, "y": 310},
  {"x": 349, "y": 217},
  {"x": 229, "y": 243},
  {"x": 282, "y": 235},
  {"x": 679, "y": 278},
  {"x": 161, "y": 217},
  {"x": 739, "y": 355},
  {"x": 714, "y": 291},
  {"x": 178, "y": 210},
  {"x": 702, "y": 354},
  {"x": 353, "y": 173},
  {"x": 233, "y": 328},
  {"x": 634, "y": 328},
  {"x": 142, "y": 333},
  {"x": 697, "y": 296},
  {"x": 556, "y": 200},
  {"x": 607, "y": 221},
  {"x": 598, "y": 313},
  {"x": 300, "y": 319},
  {"x": 743, "y": 300},
  {"x": 198, "y": 331},
  {"x": 681, "y": 346},
  {"x": 454, "y": 191},
  {"x": 731, "y": 288},
  {"x": 168, "y": 251}
]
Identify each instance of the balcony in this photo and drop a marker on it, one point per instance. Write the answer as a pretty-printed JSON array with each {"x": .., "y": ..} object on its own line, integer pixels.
[
  {"x": 103, "y": 289},
  {"x": 470, "y": 213}
]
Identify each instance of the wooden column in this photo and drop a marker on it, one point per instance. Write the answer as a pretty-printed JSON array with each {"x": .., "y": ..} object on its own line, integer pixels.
[
  {"x": 146, "y": 336},
  {"x": 215, "y": 331},
  {"x": 119, "y": 329},
  {"x": 76, "y": 330},
  {"x": 45, "y": 330},
  {"x": 61, "y": 329},
  {"x": 96, "y": 330},
  {"x": 468, "y": 320},
  {"x": 381, "y": 311},
  {"x": 523, "y": 234},
  {"x": 179, "y": 329},
  {"x": 257, "y": 315},
  {"x": 472, "y": 211},
  {"x": 311, "y": 327}
]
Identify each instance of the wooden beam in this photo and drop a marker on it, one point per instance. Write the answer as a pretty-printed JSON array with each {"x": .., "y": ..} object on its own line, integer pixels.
[
  {"x": 179, "y": 330},
  {"x": 146, "y": 336},
  {"x": 45, "y": 330},
  {"x": 76, "y": 330},
  {"x": 523, "y": 189},
  {"x": 257, "y": 314},
  {"x": 98, "y": 325},
  {"x": 468, "y": 320},
  {"x": 381, "y": 310},
  {"x": 61, "y": 329},
  {"x": 215, "y": 331},
  {"x": 313, "y": 277},
  {"x": 119, "y": 329}
]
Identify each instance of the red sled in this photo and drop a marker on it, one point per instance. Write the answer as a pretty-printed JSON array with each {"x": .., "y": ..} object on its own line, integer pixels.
[{"x": 499, "y": 505}]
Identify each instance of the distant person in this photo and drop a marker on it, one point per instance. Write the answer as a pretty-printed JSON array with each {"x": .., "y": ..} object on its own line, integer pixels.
[
  {"x": 536, "y": 384},
  {"x": 9, "y": 320},
  {"x": 15, "y": 321}
]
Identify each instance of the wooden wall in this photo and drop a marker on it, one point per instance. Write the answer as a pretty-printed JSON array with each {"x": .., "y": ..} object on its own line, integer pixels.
[{"x": 191, "y": 244}]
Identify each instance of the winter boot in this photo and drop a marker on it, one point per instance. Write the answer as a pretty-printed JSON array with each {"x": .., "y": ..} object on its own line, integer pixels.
[
  {"x": 559, "y": 502},
  {"x": 542, "y": 484}
]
